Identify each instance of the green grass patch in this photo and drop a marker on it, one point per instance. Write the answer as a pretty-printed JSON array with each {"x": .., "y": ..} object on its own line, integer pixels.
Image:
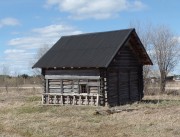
[
  {"x": 32, "y": 109},
  {"x": 1, "y": 128},
  {"x": 5, "y": 111},
  {"x": 33, "y": 98},
  {"x": 27, "y": 133},
  {"x": 157, "y": 104},
  {"x": 96, "y": 119}
]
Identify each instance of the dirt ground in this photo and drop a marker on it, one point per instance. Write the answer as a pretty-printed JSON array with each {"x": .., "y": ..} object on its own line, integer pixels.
[{"x": 23, "y": 115}]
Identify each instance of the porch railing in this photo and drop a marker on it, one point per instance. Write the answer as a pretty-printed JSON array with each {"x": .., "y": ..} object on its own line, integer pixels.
[{"x": 71, "y": 99}]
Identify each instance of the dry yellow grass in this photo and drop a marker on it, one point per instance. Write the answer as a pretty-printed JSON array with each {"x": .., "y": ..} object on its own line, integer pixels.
[{"x": 22, "y": 115}]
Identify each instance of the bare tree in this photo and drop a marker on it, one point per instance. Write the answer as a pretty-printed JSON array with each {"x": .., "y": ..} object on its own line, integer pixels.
[
  {"x": 166, "y": 52},
  {"x": 40, "y": 52},
  {"x": 17, "y": 83},
  {"x": 5, "y": 72}
]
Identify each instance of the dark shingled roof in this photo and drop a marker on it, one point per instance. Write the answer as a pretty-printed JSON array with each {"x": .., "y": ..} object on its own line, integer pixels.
[{"x": 85, "y": 50}]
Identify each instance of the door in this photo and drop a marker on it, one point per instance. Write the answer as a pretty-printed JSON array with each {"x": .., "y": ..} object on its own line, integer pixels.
[
  {"x": 112, "y": 87},
  {"x": 128, "y": 85},
  {"x": 124, "y": 86},
  {"x": 134, "y": 87}
]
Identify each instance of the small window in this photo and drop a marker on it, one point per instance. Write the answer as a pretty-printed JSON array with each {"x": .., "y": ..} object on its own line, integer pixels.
[{"x": 83, "y": 88}]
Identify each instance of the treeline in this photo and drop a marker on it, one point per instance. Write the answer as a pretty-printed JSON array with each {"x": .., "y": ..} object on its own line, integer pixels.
[{"x": 15, "y": 81}]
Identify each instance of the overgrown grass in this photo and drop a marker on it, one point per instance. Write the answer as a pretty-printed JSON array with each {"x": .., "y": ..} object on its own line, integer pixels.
[
  {"x": 33, "y": 98},
  {"x": 22, "y": 115}
]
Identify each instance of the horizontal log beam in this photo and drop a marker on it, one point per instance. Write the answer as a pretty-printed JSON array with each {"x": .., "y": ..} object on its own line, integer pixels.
[
  {"x": 70, "y": 94},
  {"x": 72, "y": 77}
]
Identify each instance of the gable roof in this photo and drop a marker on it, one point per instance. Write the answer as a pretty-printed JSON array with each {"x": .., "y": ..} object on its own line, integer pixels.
[{"x": 86, "y": 50}]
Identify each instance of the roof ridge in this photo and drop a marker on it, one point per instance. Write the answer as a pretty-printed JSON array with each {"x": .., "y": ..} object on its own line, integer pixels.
[{"x": 99, "y": 32}]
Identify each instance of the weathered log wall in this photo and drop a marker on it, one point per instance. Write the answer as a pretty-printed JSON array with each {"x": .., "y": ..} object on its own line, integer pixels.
[
  {"x": 73, "y": 85},
  {"x": 124, "y": 78}
]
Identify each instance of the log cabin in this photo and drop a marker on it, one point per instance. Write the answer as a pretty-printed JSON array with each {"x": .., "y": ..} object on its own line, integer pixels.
[{"x": 102, "y": 68}]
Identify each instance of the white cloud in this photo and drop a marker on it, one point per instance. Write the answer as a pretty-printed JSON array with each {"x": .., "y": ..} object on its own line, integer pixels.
[
  {"x": 17, "y": 61},
  {"x": 13, "y": 51},
  {"x": 23, "y": 41},
  {"x": 9, "y": 22},
  {"x": 55, "y": 30},
  {"x": 23, "y": 49},
  {"x": 178, "y": 39},
  {"x": 97, "y": 9},
  {"x": 41, "y": 36}
]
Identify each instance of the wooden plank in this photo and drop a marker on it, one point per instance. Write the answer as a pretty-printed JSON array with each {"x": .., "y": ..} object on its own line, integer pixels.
[
  {"x": 80, "y": 100},
  {"x": 54, "y": 80},
  {"x": 68, "y": 100},
  {"x": 67, "y": 91},
  {"x": 75, "y": 91},
  {"x": 42, "y": 99},
  {"x": 67, "y": 82},
  {"x": 83, "y": 83},
  {"x": 67, "y": 87},
  {"x": 79, "y": 72},
  {"x": 62, "y": 101},
  {"x": 86, "y": 100},
  {"x": 91, "y": 101},
  {"x": 74, "y": 99},
  {"x": 72, "y": 86},
  {"x": 54, "y": 90},
  {"x": 93, "y": 91},
  {"x": 54, "y": 83},
  {"x": 70, "y": 77},
  {"x": 59, "y": 94},
  {"x": 54, "y": 87},
  {"x": 47, "y": 86},
  {"x": 97, "y": 100},
  {"x": 75, "y": 86},
  {"x": 93, "y": 88},
  {"x": 78, "y": 87},
  {"x": 48, "y": 99},
  {"x": 55, "y": 99},
  {"x": 93, "y": 83},
  {"x": 62, "y": 86}
]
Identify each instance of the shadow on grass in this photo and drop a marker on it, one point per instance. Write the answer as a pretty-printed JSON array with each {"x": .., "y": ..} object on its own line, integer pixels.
[
  {"x": 150, "y": 101},
  {"x": 156, "y": 101}
]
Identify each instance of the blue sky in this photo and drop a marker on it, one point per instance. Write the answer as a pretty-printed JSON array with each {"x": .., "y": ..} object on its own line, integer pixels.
[{"x": 26, "y": 25}]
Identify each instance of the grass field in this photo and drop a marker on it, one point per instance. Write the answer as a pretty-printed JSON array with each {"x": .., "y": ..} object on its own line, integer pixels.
[{"x": 22, "y": 115}]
